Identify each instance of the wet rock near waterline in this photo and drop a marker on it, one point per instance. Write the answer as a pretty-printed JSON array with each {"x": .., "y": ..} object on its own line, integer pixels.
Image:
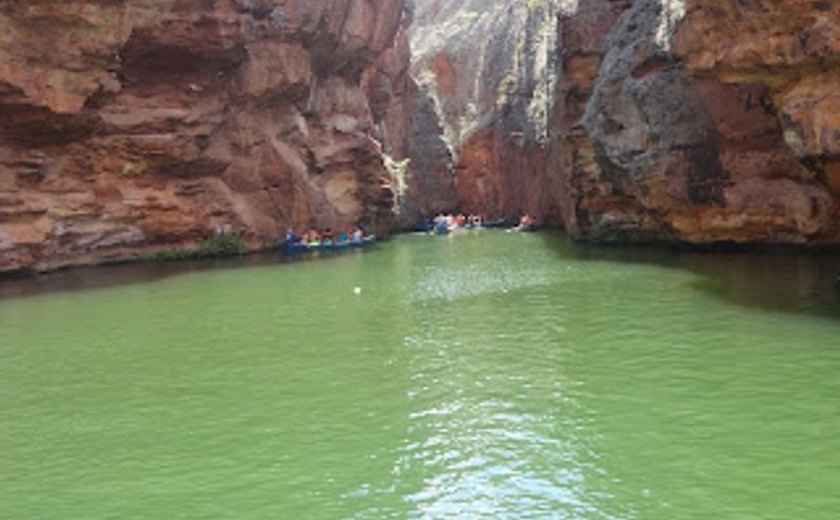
[{"x": 131, "y": 127}]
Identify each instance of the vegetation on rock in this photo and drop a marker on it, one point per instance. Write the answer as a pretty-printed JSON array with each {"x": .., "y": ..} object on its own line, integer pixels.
[{"x": 223, "y": 245}]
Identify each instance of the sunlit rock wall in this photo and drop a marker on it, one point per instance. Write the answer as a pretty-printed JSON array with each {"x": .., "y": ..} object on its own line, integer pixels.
[
  {"x": 486, "y": 74},
  {"x": 406, "y": 123},
  {"x": 127, "y": 127}
]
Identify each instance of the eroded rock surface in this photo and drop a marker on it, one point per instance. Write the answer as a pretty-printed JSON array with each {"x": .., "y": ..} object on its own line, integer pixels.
[
  {"x": 646, "y": 120},
  {"x": 701, "y": 121},
  {"x": 128, "y": 127},
  {"x": 487, "y": 77}
]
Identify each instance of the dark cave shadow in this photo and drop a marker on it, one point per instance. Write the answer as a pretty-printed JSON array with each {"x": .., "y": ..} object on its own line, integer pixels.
[{"x": 772, "y": 279}]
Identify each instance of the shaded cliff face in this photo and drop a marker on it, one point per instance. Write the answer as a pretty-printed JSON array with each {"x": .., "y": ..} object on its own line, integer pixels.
[
  {"x": 487, "y": 79},
  {"x": 407, "y": 125},
  {"x": 126, "y": 127},
  {"x": 701, "y": 121}
]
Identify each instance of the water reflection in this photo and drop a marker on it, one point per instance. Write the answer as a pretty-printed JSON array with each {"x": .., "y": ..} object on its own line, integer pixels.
[
  {"x": 115, "y": 275},
  {"x": 782, "y": 280},
  {"x": 496, "y": 434}
]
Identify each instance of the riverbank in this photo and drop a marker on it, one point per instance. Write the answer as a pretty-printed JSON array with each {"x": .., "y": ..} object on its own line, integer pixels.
[
  {"x": 232, "y": 245},
  {"x": 724, "y": 269}
]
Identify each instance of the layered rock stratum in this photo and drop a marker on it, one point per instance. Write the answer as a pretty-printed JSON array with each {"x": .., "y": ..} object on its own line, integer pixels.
[{"x": 127, "y": 127}]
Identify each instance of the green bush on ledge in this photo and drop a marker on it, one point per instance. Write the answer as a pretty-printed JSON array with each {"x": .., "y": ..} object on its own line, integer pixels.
[{"x": 224, "y": 245}]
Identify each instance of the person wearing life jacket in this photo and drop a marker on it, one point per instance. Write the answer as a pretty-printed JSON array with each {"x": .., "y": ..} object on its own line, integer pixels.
[
  {"x": 526, "y": 221},
  {"x": 314, "y": 238},
  {"x": 440, "y": 225},
  {"x": 291, "y": 237}
]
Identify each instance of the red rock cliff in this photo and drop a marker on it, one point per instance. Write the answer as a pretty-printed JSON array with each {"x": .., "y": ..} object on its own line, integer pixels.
[
  {"x": 647, "y": 120},
  {"x": 127, "y": 127},
  {"x": 486, "y": 73},
  {"x": 701, "y": 121}
]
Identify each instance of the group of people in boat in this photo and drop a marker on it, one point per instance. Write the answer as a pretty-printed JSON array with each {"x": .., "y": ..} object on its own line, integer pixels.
[
  {"x": 313, "y": 237},
  {"x": 527, "y": 222},
  {"x": 444, "y": 223},
  {"x": 449, "y": 221}
]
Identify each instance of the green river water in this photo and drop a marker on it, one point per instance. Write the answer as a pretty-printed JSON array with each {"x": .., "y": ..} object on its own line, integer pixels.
[{"x": 486, "y": 375}]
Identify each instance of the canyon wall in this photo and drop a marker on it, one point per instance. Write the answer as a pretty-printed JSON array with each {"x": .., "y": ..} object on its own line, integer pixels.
[
  {"x": 712, "y": 121},
  {"x": 128, "y": 127},
  {"x": 487, "y": 78},
  {"x": 647, "y": 120}
]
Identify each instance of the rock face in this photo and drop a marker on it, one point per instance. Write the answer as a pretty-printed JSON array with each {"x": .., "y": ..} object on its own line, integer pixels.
[
  {"x": 646, "y": 120},
  {"x": 131, "y": 127},
  {"x": 127, "y": 127},
  {"x": 701, "y": 121},
  {"x": 487, "y": 78},
  {"x": 407, "y": 124}
]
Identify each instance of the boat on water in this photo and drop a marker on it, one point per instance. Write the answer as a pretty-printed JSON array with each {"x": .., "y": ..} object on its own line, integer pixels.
[
  {"x": 525, "y": 229},
  {"x": 442, "y": 226},
  {"x": 296, "y": 248},
  {"x": 527, "y": 224},
  {"x": 448, "y": 230},
  {"x": 442, "y": 230},
  {"x": 503, "y": 223}
]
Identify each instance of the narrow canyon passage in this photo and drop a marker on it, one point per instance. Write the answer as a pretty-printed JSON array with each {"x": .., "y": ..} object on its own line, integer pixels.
[
  {"x": 162, "y": 124},
  {"x": 215, "y": 301}
]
